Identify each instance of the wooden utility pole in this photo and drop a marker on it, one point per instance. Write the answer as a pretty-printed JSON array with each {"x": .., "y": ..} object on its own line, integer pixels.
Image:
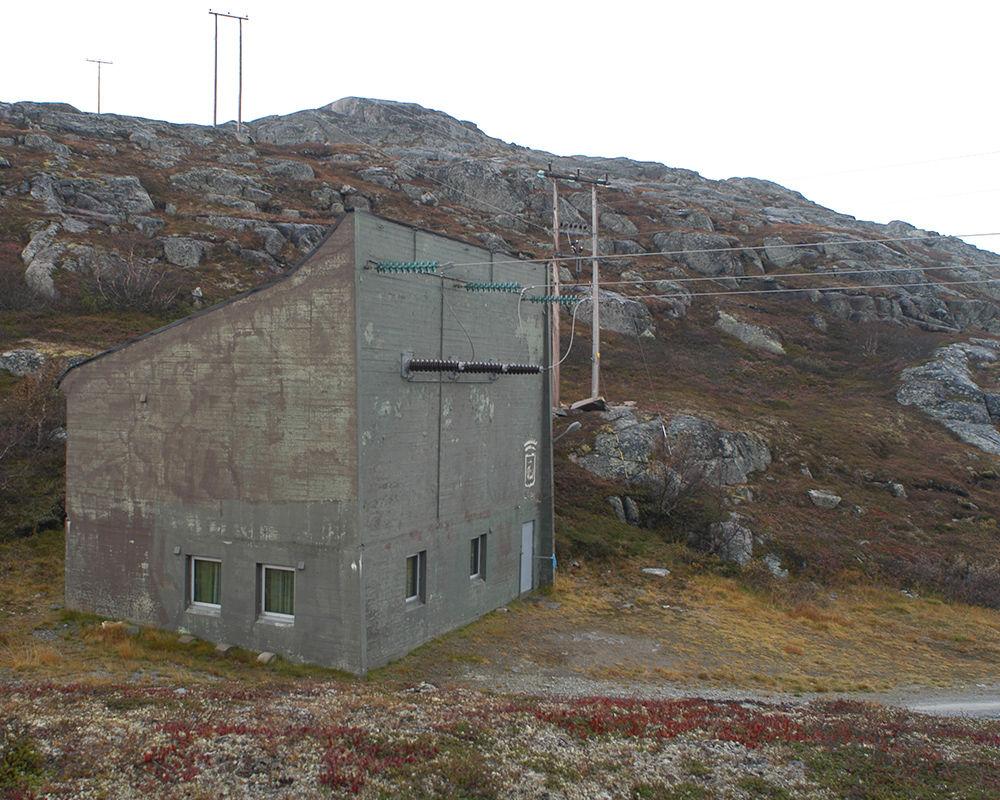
[
  {"x": 595, "y": 314},
  {"x": 98, "y": 62},
  {"x": 239, "y": 102},
  {"x": 595, "y": 305},
  {"x": 215, "y": 78},
  {"x": 556, "y": 346}
]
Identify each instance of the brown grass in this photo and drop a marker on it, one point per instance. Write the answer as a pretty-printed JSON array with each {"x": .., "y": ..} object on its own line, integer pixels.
[{"x": 30, "y": 656}]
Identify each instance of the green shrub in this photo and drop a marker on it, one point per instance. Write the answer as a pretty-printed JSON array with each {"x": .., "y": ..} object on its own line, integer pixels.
[{"x": 20, "y": 762}]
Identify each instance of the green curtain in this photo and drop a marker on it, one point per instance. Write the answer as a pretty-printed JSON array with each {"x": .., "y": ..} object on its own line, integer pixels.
[
  {"x": 474, "y": 563},
  {"x": 412, "y": 573},
  {"x": 279, "y": 591},
  {"x": 207, "y": 582}
]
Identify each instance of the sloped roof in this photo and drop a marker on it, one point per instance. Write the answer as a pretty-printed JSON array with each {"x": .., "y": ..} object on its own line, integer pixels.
[{"x": 266, "y": 285}]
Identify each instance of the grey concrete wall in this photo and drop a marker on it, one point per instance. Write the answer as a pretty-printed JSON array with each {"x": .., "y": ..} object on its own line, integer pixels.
[
  {"x": 231, "y": 435},
  {"x": 442, "y": 461}
]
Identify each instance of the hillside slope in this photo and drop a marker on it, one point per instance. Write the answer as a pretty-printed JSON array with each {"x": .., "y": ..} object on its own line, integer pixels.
[{"x": 741, "y": 404}]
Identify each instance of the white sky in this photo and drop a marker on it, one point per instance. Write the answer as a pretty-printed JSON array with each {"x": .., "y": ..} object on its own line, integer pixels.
[{"x": 816, "y": 96}]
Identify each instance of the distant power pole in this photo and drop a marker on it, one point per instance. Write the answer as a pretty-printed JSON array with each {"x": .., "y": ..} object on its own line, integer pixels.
[
  {"x": 595, "y": 328},
  {"x": 98, "y": 62},
  {"x": 215, "y": 78}
]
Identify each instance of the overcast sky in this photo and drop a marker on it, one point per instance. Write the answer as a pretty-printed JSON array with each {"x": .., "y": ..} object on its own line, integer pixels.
[{"x": 836, "y": 100}]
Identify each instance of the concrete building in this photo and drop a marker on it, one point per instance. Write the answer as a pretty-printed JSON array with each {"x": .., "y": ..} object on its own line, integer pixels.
[{"x": 297, "y": 470}]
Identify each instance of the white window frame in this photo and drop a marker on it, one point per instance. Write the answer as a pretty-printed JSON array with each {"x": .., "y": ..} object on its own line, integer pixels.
[
  {"x": 274, "y": 616},
  {"x": 197, "y": 603},
  {"x": 418, "y": 598},
  {"x": 480, "y": 543}
]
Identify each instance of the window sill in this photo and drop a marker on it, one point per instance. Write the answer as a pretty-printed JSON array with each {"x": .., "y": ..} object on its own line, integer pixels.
[
  {"x": 414, "y": 602},
  {"x": 205, "y": 611},
  {"x": 273, "y": 619}
]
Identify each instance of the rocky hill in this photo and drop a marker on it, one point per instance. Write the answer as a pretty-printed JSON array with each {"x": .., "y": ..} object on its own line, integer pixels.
[{"x": 838, "y": 422}]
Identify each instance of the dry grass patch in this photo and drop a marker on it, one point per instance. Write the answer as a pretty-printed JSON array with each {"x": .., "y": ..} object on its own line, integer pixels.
[{"x": 29, "y": 656}]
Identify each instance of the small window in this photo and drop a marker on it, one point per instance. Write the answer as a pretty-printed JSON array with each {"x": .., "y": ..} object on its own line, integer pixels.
[
  {"x": 206, "y": 582},
  {"x": 477, "y": 558},
  {"x": 416, "y": 571},
  {"x": 277, "y": 595}
]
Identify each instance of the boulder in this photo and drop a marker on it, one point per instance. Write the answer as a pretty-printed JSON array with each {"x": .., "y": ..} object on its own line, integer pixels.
[
  {"x": 821, "y": 498},
  {"x": 780, "y": 255},
  {"x": 380, "y": 176},
  {"x": 619, "y": 313},
  {"x": 291, "y": 170},
  {"x": 753, "y": 335},
  {"x": 944, "y": 388},
  {"x": 659, "y": 572},
  {"x": 708, "y": 254},
  {"x": 303, "y": 235},
  {"x": 39, "y": 141},
  {"x": 773, "y": 564},
  {"x": 726, "y": 458},
  {"x": 148, "y": 226},
  {"x": 617, "y": 507},
  {"x": 357, "y": 202},
  {"x": 675, "y": 297},
  {"x": 617, "y": 223},
  {"x": 20, "y": 363},
  {"x": 183, "y": 251},
  {"x": 631, "y": 508},
  {"x": 731, "y": 540},
  {"x": 115, "y": 197},
  {"x": 221, "y": 182},
  {"x": 634, "y": 451},
  {"x": 326, "y": 198}
]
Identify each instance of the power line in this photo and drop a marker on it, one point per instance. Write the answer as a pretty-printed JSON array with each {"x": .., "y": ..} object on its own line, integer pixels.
[
  {"x": 817, "y": 289},
  {"x": 731, "y": 249},
  {"x": 772, "y": 275}
]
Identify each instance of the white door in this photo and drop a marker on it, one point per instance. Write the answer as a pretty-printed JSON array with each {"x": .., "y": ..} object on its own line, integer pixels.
[{"x": 527, "y": 556}]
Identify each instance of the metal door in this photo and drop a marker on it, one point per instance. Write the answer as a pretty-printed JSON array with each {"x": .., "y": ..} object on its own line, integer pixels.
[{"x": 527, "y": 556}]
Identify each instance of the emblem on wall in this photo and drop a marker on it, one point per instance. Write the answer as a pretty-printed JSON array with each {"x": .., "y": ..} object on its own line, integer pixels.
[{"x": 530, "y": 463}]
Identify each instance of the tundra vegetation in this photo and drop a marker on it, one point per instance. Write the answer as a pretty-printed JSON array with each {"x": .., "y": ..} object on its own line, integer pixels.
[{"x": 812, "y": 476}]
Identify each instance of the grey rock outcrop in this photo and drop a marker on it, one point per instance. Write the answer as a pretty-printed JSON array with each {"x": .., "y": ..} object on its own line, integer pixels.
[
  {"x": 648, "y": 452},
  {"x": 675, "y": 297},
  {"x": 753, "y": 335},
  {"x": 292, "y": 170},
  {"x": 20, "y": 363},
  {"x": 113, "y": 197},
  {"x": 705, "y": 253},
  {"x": 773, "y": 564},
  {"x": 222, "y": 183},
  {"x": 944, "y": 388},
  {"x": 183, "y": 251},
  {"x": 821, "y": 498},
  {"x": 632, "y": 516},
  {"x": 726, "y": 458},
  {"x": 617, "y": 507},
  {"x": 39, "y": 141},
  {"x": 731, "y": 540},
  {"x": 619, "y": 313},
  {"x": 617, "y": 223},
  {"x": 782, "y": 255}
]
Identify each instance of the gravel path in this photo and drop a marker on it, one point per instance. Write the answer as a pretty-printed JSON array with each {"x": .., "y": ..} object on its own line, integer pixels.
[{"x": 981, "y": 701}]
